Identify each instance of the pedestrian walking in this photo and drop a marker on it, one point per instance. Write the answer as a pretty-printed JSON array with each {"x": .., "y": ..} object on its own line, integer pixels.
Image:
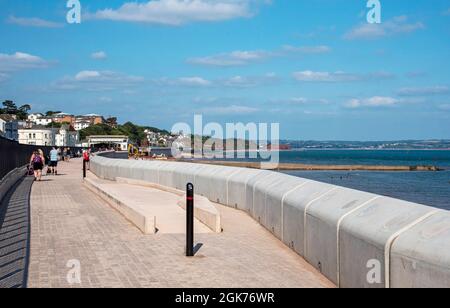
[
  {"x": 87, "y": 159},
  {"x": 37, "y": 161},
  {"x": 53, "y": 164}
]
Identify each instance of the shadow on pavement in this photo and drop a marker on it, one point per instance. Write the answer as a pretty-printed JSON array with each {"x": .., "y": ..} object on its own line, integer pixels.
[{"x": 15, "y": 235}]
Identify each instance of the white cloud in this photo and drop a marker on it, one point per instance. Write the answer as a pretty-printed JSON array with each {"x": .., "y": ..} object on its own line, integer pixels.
[
  {"x": 21, "y": 61},
  {"x": 233, "y": 109},
  {"x": 425, "y": 91},
  {"x": 307, "y": 49},
  {"x": 3, "y": 77},
  {"x": 97, "y": 81},
  {"x": 99, "y": 55},
  {"x": 33, "y": 22},
  {"x": 235, "y": 81},
  {"x": 304, "y": 101},
  {"x": 179, "y": 12},
  {"x": 235, "y": 58},
  {"x": 248, "y": 82},
  {"x": 194, "y": 81},
  {"x": 106, "y": 99},
  {"x": 311, "y": 76},
  {"x": 184, "y": 81},
  {"x": 395, "y": 26},
  {"x": 376, "y": 101},
  {"x": 240, "y": 58},
  {"x": 87, "y": 75}
]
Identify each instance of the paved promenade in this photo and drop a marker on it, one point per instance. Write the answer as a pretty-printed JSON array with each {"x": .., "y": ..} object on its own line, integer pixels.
[{"x": 69, "y": 222}]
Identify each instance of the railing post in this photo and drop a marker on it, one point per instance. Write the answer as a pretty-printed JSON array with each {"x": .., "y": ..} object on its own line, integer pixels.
[{"x": 190, "y": 220}]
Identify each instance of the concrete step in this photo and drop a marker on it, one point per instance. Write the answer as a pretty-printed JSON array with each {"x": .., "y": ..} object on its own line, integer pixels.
[{"x": 151, "y": 210}]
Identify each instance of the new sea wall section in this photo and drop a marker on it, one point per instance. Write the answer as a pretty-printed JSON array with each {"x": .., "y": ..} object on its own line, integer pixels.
[{"x": 354, "y": 238}]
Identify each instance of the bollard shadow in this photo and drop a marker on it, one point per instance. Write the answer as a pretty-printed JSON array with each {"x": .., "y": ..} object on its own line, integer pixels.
[{"x": 197, "y": 248}]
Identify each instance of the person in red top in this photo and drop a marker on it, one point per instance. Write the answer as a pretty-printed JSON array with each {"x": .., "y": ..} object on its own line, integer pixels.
[{"x": 87, "y": 159}]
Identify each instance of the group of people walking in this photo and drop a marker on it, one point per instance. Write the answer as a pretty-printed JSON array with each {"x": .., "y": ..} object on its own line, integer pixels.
[{"x": 38, "y": 161}]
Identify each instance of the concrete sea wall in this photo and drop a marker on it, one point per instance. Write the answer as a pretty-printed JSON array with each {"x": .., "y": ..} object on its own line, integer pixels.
[{"x": 356, "y": 239}]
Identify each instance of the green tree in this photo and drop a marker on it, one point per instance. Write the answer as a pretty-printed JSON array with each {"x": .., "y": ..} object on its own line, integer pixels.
[
  {"x": 51, "y": 113},
  {"x": 9, "y": 107}
]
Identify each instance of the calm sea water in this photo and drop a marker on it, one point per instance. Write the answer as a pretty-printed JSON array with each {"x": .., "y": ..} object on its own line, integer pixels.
[{"x": 429, "y": 188}]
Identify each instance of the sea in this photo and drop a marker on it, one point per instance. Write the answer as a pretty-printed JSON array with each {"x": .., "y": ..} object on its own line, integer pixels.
[{"x": 428, "y": 188}]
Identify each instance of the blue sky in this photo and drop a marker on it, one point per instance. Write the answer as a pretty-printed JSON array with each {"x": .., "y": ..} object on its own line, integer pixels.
[{"x": 316, "y": 67}]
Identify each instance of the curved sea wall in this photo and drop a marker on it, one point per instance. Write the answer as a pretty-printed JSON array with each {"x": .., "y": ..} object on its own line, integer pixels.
[{"x": 356, "y": 239}]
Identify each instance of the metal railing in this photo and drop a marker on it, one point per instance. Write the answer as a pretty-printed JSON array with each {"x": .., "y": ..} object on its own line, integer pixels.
[{"x": 14, "y": 155}]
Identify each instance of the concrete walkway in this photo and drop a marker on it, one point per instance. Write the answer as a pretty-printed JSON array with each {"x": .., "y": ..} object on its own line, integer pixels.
[{"x": 69, "y": 222}]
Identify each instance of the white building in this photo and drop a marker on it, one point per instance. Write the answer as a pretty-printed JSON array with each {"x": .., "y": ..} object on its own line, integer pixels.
[
  {"x": 44, "y": 136},
  {"x": 119, "y": 143},
  {"x": 82, "y": 124},
  {"x": 9, "y": 127},
  {"x": 39, "y": 119},
  {"x": 66, "y": 138},
  {"x": 34, "y": 116},
  {"x": 43, "y": 121},
  {"x": 40, "y": 136}
]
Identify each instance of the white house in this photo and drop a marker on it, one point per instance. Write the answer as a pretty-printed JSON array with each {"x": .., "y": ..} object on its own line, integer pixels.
[
  {"x": 40, "y": 136},
  {"x": 44, "y": 136},
  {"x": 44, "y": 121},
  {"x": 66, "y": 138},
  {"x": 82, "y": 124},
  {"x": 34, "y": 116},
  {"x": 9, "y": 127}
]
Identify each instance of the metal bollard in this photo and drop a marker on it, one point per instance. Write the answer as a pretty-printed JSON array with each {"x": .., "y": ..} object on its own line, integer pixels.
[
  {"x": 84, "y": 169},
  {"x": 190, "y": 220}
]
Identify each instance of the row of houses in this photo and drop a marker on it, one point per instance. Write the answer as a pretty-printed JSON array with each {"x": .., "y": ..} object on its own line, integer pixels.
[
  {"x": 37, "y": 129},
  {"x": 77, "y": 122}
]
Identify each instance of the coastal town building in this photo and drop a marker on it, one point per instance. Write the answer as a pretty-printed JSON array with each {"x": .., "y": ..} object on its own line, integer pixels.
[
  {"x": 33, "y": 117},
  {"x": 45, "y": 136},
  {"x": 43, "y": 121},
  {"x": 78, "y": 122},
  {"x": 38, "y": 135},
  {"x": 85, "y": 121},
  {"x": 66, "y": 137},
  {"x": 9, "y": 127},
  {"x": 119, "y": 143}
]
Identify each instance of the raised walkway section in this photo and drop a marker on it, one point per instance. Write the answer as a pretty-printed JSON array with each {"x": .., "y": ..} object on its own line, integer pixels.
[
  {"x": 150, "y": 209},
  {"x": 70, "y": 222}
]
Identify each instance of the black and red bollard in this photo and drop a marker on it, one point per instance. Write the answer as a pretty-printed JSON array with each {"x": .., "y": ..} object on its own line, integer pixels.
[{"x": 190, "y": 220}]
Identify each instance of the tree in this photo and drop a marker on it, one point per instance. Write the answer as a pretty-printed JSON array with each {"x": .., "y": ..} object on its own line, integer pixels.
[
  {"x": 9, "y": 107},
  {"x": 111, "y": 121},
  {"x": 22, "y": 113},
  {"x": 51, "y": 113}
]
